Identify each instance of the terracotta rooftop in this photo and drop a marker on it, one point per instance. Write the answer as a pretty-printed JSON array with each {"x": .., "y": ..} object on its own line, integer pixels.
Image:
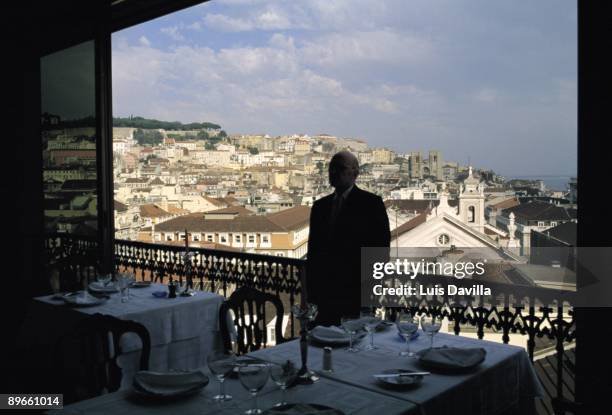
[
  {"x": 284, "y": 221},
  {"x": 411, "y": 224},
  {"x": 152, "y": 211}
]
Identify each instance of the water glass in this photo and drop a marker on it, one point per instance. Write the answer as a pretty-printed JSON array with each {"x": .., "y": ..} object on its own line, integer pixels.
[
  {"x": 221, "y": 365},
  {"x": 371, "y": 322},
  {"x": 253, "y": 378},
  {"x": 123, "y": 284},
  {"x": 283, "y": 375},
  {"x": 407, "y": 325},
  {"x": 131, "y": 278},
  {"x": 351, "y": 326},
  {"x": 431, "y": 325}
]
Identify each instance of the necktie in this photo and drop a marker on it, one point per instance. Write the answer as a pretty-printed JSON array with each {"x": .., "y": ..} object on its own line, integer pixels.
[{"x": 336, "y": 207}]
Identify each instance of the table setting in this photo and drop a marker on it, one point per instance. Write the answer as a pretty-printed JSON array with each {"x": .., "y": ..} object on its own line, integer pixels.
[
  {"x": 403, "y": 366},
  {"x": 409, "y": 359},
  {"x": 183, "y": 329}
]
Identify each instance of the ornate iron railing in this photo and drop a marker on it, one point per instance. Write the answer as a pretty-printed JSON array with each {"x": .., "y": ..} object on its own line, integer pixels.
[
  {"x": 528, "y": 311},
  {"x": 213, "y": 270}
]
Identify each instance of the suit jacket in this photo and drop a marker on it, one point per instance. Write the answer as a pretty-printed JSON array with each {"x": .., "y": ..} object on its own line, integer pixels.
[{"x": 334, "y": 253}]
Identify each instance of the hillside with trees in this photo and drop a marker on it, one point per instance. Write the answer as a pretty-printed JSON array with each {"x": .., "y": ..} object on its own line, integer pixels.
[
  {"x": 147, "y": 130},
  {"x": 151, "y": 124}
]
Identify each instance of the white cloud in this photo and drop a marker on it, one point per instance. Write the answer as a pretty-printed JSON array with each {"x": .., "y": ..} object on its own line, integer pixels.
[
  {"x": 280, "y": 41},
  {"x": 144, "y": 41},
  {"x": 406, "y": 74},
  {"x": 173, "y": 32},
  {"x": 272, "y": 20},
  {"x": 194, "y": 26},
  {"x": 380, "y": 47},
  {"x": 226, "y": 24}
]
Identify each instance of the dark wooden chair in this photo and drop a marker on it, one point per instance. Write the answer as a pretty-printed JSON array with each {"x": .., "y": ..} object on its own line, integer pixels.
[
  {"x": 87, "y": 356},
  {"x": 248, "y": 306}
]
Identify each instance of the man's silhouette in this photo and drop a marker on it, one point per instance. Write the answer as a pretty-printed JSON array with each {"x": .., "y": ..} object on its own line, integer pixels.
[{"x": 340, "y": 225}]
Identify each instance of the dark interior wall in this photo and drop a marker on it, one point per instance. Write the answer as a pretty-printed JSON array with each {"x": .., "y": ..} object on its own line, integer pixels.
[
  {"x": 31, "y": 30},
  {"x": 593, "y": 380}
]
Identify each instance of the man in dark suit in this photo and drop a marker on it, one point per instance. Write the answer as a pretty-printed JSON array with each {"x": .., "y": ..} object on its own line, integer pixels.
[{"x": 340, "y": 225}]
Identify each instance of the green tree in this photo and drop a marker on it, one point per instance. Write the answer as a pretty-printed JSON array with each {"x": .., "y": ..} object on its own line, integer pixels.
[{"x": 148, "y": 137}]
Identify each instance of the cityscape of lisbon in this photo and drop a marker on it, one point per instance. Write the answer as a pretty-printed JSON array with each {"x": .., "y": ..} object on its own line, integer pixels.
[{"x": 253, "y": 193}]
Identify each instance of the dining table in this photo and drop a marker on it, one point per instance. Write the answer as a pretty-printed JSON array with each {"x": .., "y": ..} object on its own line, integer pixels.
[
  {"x": 503, "y": 383},
  {"x": 183, "y": 330}
]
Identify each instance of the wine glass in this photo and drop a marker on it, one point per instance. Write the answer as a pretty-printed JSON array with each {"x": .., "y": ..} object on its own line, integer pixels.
[
  {"x": 431, "y": 325},
  {"x": 283, "y": 375},
  {"x": 254, "y": 377},
  {"x": 350, "y": 325},
  {"x": 407, "y": 324},
  {"x": 122, "y": 284},
  {"x": 370, "y": 323},
  {"x": 221, "y": 365},
  {"x": 104, "y": 279},
  {"x": 131, "y": 279}
]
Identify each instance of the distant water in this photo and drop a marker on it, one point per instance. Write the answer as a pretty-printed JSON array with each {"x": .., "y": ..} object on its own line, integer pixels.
[{"x": 551, "y": 182}]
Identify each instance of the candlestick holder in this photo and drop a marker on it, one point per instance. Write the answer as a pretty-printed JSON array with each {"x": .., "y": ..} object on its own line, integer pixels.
[
  {"x": 305, "y": 314},
  {"x": 187, "y": 261}
]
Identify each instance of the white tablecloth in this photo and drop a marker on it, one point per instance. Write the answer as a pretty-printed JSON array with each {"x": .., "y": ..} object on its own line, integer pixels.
[
  {"x": 183, "y": 330},
  {"x": 504, "y": 383}
]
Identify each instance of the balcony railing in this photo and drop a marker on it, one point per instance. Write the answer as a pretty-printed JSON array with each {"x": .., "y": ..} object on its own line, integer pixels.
[{"x": 530, "y": 312}]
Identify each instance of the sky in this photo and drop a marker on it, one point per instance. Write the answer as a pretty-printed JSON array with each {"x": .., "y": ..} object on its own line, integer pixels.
[{"x": 492, "y": 82}]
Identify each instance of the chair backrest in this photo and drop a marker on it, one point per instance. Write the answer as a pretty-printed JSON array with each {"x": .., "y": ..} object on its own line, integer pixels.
[
  {"x": 249, "y": 318},
  {"x": 88, "y": 355}
]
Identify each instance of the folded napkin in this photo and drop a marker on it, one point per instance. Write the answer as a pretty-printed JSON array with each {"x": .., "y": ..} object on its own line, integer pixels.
[
  {"x": 301, "y": 409},
  {"x": 452, "y": 357},
  {"x": 169, "y": 384},
  {"x": 81, "y": 298}
]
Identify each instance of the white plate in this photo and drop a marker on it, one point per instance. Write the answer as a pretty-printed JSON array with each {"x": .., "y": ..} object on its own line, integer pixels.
[
  {"x": 333, "y": 335},
  {"x": 168, "y": 385},
  {"x": 98, "y": 287}
]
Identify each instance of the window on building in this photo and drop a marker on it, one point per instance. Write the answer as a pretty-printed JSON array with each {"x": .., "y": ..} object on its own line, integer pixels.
[
  {"x": 251, "y": 239},
  {"x": 237, "y": 239},
  {"x": 471, "y": 214},
  {"x": 210, "y": 238}
]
